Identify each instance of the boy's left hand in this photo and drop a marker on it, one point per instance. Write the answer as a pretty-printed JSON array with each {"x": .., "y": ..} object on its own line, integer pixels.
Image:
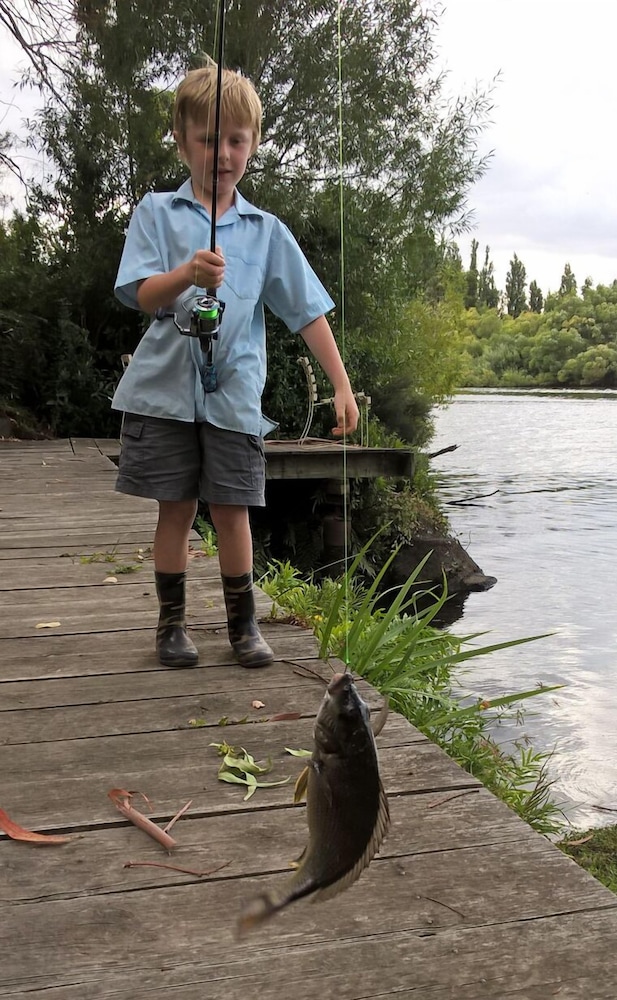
[{"x": 347, "y": 413}]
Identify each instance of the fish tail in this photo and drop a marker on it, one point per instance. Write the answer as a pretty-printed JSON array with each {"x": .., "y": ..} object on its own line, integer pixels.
[
  {"x": 267, "y": 904},
  {"x": 258, "y": 910}
]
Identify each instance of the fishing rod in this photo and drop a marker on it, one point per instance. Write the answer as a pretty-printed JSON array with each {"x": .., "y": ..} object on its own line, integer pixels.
[{"x": 206, "y": 314}]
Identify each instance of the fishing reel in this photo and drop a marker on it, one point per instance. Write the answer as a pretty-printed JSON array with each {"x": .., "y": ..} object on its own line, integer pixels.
[{"x": 205, "y": 324}]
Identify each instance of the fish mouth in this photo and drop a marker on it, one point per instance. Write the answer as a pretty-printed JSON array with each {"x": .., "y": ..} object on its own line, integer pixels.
[{"x": 340, "y": 683}]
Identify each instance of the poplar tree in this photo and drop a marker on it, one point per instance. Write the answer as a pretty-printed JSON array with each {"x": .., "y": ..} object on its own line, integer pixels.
[
  {"x": 471, "y": 278},
  {"x": 515, "y": 288},
  {"x": 488, "y": 294},
  {"x": 536, "y": 299},
  {"x": 568, "y": 282}
]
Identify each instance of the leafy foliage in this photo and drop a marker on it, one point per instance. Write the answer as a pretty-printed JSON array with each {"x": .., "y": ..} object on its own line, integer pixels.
[
  {"x": 572, "y": 343},
  {"x": 408, "y": 159}
]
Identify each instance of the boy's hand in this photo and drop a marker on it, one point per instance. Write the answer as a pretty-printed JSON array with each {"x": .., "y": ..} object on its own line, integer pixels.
[
  {"x": 208, "y": 269},
  {"x": 347, "y": 413}
]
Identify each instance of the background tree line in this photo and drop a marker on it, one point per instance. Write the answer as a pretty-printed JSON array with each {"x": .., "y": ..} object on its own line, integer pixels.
[
  {"x": 520, "y": 338},
  {"x": 107, "y": 72}
]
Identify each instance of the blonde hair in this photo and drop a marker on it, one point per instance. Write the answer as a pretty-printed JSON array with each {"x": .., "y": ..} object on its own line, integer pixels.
[{"x": 196, "y": 97}]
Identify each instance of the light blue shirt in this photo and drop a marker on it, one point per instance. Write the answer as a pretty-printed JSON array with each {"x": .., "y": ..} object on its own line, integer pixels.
[{"x": 263, "y": 265}]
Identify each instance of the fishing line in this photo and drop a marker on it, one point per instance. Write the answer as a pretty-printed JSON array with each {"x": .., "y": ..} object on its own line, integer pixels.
[
  {"x": 341, "y": 168},
  {"x": 220, "y": 30}
]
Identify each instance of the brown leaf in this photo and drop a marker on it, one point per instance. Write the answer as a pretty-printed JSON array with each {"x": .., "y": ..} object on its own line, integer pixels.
[
  {"x": 48, "y": 625},
  {"x": 285, "y": 717},
  {"x": 18, "y": 833},
  {"x": 577, "y": 843}
]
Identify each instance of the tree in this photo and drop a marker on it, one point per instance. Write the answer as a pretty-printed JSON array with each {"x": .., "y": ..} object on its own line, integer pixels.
[
  {"x": 488, "y": 295},
  {"x": 536, "y": 299},
  {"x": 471, "y": 296},
  {"x": 568, "y": 282},
  {"x": 515, "y": 288},
  {"x": 408, "y": 160}
]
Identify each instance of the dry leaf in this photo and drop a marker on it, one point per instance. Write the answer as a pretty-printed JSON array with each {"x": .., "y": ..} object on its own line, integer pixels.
[
  {"x": 577, "y": 843},
  {"x": 48, "y": 625},
  {"x": 285, "y": 717},
  {"x": 257, "y": 704},
  {"x": 110, "y": 579},
  {"x": 18, "y": 833}
]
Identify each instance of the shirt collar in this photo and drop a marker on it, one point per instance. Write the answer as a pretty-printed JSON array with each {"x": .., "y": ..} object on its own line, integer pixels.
[{"x": 241, "y": 205}]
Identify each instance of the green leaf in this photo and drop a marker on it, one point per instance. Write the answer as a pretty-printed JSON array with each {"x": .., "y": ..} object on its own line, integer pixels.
[{"x": 299, "y": 753}]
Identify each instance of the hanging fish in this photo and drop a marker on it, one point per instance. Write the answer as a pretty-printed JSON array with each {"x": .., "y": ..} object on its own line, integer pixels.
[{"x": 347, "y": 808}]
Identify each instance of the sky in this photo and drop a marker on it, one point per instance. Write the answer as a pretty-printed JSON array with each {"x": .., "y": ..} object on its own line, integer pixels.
[{"x": 549, "y": 194}]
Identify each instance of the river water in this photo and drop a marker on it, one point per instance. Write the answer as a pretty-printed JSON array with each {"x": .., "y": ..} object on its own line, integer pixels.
[{"x": 543, "y": 470}]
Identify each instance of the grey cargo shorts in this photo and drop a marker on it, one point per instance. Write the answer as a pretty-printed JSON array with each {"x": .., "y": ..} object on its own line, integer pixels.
[{"x": 172, "y": 460}]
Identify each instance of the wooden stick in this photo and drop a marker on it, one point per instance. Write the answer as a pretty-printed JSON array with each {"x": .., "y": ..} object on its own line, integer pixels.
[
  {"x": 180, "y": 813},
  {"x": 121, "y": 799}
]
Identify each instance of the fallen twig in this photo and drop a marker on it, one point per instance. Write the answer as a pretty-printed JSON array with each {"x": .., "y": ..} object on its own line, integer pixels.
[
  {"x": 175, "y": 868},
  {"x": 442, "y": 451},
  {"x": 180, "y": 813},
  {"x": 448, "y": 798},
  {"x": 303, "y": 671},
  {"x": 478, "y": 496},
  {"x": 121, "y": 799}
]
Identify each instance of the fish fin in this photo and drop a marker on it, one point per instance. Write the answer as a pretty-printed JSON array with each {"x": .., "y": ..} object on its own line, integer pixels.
[
  {"x": 381, "y": 828},
  {"x": 267, "y": 904},
  {"x": 301, "y": 786},
  {"x": 382, "y": 718},
  {"x": 298, "y": 861}
]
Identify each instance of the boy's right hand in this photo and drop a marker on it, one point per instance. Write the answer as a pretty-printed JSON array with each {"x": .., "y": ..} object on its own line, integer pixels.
[{"x": 208, "y": 269}]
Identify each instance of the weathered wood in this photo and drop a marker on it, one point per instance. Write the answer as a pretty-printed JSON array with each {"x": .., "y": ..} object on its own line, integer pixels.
[
  {"x": 130, "y": 651},
  {"x": 54, "y": 786},
  {"x": 94, "y": 861},
  {"x": 464, "y": 903},
  {"x": 188, "y": 930},
  {"x": 149, "y": 712},
  {"x": 107, "y": 608}
]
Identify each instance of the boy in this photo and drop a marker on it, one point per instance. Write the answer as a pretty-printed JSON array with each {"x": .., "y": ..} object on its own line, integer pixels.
[{"x": 180, "y": 442}]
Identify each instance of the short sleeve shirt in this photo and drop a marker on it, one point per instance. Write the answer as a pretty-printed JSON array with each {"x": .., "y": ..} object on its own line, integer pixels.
[{"x": 263, "y": 266}]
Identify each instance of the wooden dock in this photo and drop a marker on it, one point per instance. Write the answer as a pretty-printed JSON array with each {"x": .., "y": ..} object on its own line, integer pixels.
[{"x": 465, "y": 902}]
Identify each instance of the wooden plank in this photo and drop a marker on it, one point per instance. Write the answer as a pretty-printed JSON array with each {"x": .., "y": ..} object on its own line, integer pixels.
[
  {"x": 93, "y": 863},
  {"x": 148, "y": 712},
  {"x": 106, "y": 689},
  {"x": 71, "y": 498},
  {"x": 286, "y": 462},
  {"x": 55, "y": 519},
  {"x": 132, "y": 651},
  {"x": 417, "y": 937},
  {"x": 54, "y": 786},
  {"x": 108, "y": 608},
  {"x": 38, "y": 573}
]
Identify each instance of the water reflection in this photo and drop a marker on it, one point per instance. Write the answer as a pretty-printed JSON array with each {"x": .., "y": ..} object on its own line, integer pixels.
[{"x": 541, "y": 476}]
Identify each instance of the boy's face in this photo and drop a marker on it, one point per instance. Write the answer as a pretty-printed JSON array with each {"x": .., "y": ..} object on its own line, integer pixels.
[{"x": 197, "y": 151}]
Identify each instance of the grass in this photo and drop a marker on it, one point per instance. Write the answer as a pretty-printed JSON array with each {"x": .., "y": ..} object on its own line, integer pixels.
[{"x": 594, "y": 850}]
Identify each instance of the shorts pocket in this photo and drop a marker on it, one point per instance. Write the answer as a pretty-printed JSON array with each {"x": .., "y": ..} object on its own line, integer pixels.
[{"x": 132, "y": 426}]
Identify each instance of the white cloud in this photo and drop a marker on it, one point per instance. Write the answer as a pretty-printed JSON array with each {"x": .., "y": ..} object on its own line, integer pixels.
[{"x": 549, "y": 194}]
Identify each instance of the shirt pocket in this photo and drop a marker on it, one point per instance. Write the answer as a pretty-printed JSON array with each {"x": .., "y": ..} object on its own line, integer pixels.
[{"x": 244, "y": 277}]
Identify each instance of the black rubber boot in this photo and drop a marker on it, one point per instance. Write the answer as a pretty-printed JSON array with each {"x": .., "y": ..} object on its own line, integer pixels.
[
  {"x": 173, "y": 645},
  {"x": 248, "y": 644}
]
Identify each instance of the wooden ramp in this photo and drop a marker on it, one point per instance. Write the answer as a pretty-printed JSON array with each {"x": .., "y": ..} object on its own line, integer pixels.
[{"x": 464, "y": 903}]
